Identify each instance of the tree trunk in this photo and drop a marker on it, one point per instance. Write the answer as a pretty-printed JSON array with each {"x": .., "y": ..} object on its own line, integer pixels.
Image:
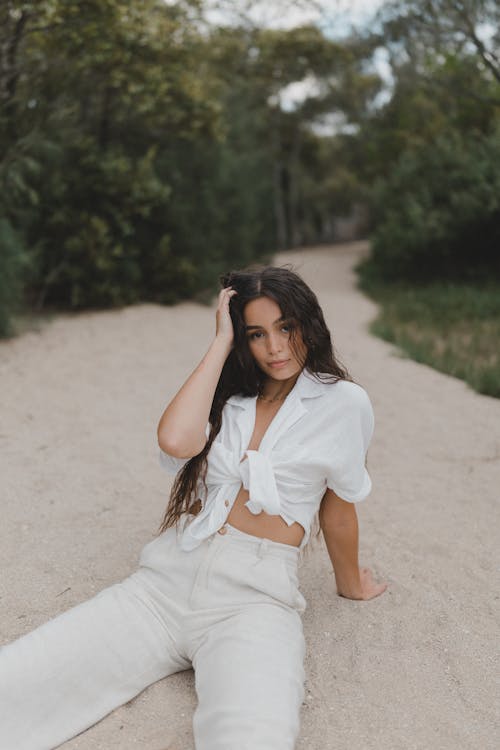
[{"x": 279, "y": 207}]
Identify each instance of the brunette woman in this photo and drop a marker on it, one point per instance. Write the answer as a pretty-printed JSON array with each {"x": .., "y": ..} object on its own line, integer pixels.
[{"x": 267, "y": 436}]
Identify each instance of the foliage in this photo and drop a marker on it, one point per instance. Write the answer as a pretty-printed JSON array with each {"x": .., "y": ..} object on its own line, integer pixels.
[
  {"x": 19, "y": 203},
  {"x": 11, "y": 263},
  {"x": 438, "y": 213},
  {"x": 159, "y": 151},
  {"x": 447, "y": 32},
  {"x": 142, "y": 151},
  {"x": 257, "y": 69},
  {"x": 431, "y": 152}
]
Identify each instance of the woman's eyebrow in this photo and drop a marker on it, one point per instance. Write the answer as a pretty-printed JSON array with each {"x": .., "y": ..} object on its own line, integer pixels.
[{"x": 247, "y": 328}]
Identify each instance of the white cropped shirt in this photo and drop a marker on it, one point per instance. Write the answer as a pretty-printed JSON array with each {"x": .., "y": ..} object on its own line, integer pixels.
[{"x": 317, "y": 439}]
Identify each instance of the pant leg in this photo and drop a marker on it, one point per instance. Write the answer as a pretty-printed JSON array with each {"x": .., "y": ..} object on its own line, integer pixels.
[
  {"x": 70, "y": 672},
  {"x": 249, "y": 680},
  {"x": 247, "y": 645}
]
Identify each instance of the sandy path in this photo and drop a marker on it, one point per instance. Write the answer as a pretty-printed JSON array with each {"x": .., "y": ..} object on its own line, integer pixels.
[{"x": 82, "y": 492}]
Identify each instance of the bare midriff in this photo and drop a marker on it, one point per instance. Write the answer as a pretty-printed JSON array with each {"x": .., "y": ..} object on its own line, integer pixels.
[{"x": 263, "y": 524}]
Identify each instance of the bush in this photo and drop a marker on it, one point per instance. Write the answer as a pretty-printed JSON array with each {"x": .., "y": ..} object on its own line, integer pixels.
[
  {"x": 438, "y": 213},
  {"x": 18, "y": 204},
  {"x": 105, "y": 241},
  {"x": 12, "y": 266}
]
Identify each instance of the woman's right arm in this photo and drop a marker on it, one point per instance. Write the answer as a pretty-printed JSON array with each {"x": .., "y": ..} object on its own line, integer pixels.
[{"x": 181, "y": 430}]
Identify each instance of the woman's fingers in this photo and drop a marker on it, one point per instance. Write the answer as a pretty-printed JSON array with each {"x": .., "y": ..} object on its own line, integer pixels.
[
  {"x": 226, "y": 290},
  {"x": 224, "y": 326},
  {"x": 379, "y": 588},
  {"x": 225, "y": 296},
  {"x": 370, "y": 588},
  {"x": 375, "y": 590}
]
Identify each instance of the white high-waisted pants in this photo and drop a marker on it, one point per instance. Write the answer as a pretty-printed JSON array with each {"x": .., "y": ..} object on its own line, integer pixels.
[{"x": 230, "y": 608}]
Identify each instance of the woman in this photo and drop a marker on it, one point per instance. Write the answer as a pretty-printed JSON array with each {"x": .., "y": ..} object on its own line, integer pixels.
[{"x": 266, "y": 435}]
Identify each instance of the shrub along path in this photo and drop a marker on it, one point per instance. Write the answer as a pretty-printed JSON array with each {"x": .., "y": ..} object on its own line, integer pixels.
[{"x": 82, "y": 491}]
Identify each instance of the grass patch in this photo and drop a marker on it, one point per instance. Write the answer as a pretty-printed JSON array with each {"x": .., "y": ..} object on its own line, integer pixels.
[
  {"x": 451, "y": 326},
  {"x": 28, "y": 323}
]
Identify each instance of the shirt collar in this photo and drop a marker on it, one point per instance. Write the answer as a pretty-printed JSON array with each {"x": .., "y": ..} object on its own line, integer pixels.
[{"x": 306, "y": 386}]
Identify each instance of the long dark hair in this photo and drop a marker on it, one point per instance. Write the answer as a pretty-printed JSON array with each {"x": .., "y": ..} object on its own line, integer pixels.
[{"x": 241, "y": 374}]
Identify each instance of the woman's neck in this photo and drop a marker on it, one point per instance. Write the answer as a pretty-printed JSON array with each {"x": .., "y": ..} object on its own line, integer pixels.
[{"x": 273, "y": 390}]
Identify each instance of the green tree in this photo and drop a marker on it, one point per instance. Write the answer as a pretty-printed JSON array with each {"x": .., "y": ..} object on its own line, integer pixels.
[
  {"x": 258, "y": 67},
  {"x": 103, "y": 85}
]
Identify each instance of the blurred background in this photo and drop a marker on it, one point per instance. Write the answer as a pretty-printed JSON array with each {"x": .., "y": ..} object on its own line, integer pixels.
[{"x": 146, "y": 147}]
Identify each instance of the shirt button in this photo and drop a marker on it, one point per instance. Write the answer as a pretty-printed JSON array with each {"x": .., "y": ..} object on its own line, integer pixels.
[
  {"x": 226, "y": 503},
  {"x": 223, "y": 530}
]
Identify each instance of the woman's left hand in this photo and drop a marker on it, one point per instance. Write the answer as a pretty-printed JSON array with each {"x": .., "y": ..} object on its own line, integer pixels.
[{"x": 369, "y": 588}]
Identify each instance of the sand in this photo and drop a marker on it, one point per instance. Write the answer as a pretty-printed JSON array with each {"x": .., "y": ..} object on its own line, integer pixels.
[{"x": 82, "y": 491}]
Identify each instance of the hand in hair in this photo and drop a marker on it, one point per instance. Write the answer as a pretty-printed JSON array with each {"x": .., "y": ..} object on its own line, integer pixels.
[{"x": 224, "y": 324}]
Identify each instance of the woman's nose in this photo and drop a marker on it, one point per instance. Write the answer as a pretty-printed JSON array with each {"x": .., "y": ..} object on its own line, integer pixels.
[{"x": 274, "y": 344}]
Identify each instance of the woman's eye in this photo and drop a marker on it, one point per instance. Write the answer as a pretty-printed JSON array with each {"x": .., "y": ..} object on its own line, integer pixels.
[{"x": 287, "y": 328}]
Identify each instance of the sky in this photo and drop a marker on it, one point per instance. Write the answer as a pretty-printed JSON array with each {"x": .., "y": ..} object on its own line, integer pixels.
[{"x": 333, "y": 16}]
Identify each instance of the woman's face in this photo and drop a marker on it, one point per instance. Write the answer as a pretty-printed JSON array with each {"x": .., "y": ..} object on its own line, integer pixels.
[{"x": 268, "y": 337}]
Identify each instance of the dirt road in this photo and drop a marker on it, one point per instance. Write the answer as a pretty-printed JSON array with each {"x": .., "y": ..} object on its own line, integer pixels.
[{"x": 82, "y": 491}]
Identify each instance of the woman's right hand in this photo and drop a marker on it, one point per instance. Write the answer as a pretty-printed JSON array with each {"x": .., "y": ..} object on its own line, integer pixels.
[
  {"x": 182, "y": 426},
  {"x": 224, "y": 324}
]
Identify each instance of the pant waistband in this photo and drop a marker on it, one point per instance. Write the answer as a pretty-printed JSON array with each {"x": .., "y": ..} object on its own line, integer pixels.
[{"x": 260, "y": 545}]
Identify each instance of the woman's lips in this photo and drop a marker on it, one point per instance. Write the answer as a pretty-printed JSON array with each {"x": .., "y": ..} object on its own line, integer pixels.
[{"x": 277, "y": 365}]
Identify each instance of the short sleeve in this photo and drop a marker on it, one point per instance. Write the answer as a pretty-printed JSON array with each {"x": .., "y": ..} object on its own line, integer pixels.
[
  {"x": 173, "y": 464},
  {"x": 351, "y": 434}
]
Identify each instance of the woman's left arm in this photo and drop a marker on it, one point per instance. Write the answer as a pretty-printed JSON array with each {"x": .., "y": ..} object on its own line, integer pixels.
[{"x": 339, "y": 524}]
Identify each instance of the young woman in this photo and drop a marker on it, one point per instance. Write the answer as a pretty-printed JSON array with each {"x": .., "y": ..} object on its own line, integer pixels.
[{"x": 266, "y": 435}]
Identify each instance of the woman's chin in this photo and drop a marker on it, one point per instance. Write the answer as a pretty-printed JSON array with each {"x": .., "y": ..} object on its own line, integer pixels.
[{"x": 283, "y": 373}]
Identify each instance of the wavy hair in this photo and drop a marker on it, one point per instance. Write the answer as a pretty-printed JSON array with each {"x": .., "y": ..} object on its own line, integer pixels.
[{"x": 241, "y": 373}]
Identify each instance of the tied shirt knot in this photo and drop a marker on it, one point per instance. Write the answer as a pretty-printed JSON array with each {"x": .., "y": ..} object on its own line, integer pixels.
[
  {"x": 255, "y": 472},
  {"x": 226, "y": 474}
]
